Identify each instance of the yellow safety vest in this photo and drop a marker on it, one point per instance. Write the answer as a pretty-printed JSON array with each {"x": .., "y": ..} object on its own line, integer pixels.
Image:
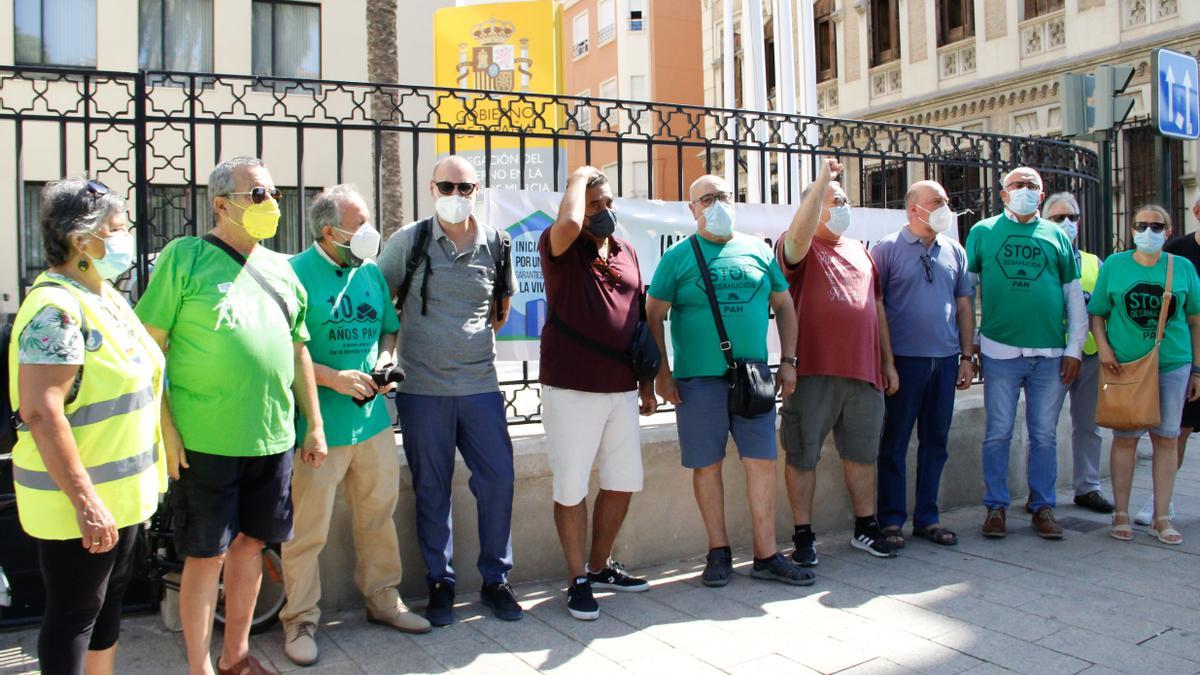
[
  {"x": 1089, "y": 270},
  {"x": 114, "y": 417}
]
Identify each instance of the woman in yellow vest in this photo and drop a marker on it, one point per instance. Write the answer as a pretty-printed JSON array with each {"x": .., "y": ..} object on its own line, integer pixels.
[{"x": 87, "y": 466}]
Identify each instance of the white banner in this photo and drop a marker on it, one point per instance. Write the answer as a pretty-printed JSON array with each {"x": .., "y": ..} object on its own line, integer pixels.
[{"x": 651, "y": 226}]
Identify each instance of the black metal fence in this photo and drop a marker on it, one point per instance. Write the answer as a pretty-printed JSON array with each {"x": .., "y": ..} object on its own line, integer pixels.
[{"x": 155, "y": 135}]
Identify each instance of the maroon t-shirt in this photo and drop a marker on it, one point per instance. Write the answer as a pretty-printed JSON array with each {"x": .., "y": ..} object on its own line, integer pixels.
[
  {"x": 834, "y": 288},
  {"x": 600, "y": 304}
]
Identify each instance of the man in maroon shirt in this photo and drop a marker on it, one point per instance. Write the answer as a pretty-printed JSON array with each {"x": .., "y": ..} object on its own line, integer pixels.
[
  {"x": 590, "y": 400},
  {"x": 844, "y": 362}
]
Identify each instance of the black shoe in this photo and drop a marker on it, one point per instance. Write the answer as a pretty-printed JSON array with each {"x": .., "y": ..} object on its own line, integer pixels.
[
  {"x": 779, "y": 568},
  {"x": 614, "y": 578},
  {"x": 499, "y": 598},
  {"x": 805, "y": 554},
  {"x": 580, "y": 602},
  {"x": 440, "y": 610},
  {"x": 718, "y": 568},
  {"x": 873, "y": 541},
  {"x": 1094, "y": 501}
]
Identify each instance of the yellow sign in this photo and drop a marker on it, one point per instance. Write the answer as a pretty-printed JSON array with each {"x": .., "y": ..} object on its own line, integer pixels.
[{"x": 509, "y": 48}]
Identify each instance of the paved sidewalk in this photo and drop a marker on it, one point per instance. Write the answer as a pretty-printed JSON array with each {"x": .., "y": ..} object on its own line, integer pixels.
[{"x": 1022, "y": 604}]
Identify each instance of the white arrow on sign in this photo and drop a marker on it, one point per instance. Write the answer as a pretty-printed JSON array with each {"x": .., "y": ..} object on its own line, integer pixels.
[{"x": 1171, "y": 95}]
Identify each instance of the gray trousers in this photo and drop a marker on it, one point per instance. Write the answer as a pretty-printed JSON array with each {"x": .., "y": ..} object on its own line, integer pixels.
[{"x": 1085, "y": 437}]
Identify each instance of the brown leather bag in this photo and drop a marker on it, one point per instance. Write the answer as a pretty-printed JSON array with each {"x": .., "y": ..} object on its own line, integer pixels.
[{"x": 1129, "y": 401}]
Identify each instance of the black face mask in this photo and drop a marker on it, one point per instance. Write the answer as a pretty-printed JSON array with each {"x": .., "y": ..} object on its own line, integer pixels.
[{"x": 602, "y": 224}]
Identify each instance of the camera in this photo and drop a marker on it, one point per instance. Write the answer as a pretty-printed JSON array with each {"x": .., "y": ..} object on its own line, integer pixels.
[{"x": 383, "y": 376}]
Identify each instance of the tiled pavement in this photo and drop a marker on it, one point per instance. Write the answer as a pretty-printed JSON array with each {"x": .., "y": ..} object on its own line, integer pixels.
[{"x": 1087, "y": 603}]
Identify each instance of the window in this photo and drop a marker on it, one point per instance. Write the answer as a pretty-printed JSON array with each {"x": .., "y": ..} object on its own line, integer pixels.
[
  {"x": 606, "y": 111},
  {"x": 286, "y": 39},
  {"x": 175, "y": 35},
  {"x": 606, "y": 22},
  {"x": 826, "y": 33},
  {"x": 33, "y": 262},
  {"x": 886, "y": 185},
  {"x": 583, "y": 110},
  {"x": 291, "y": 237},
  {"x": 54, "y": 33},
  {"x": 1035, "y": 8},
  {"x": 637, "y": 16},
  {"x": 956, "y": 21},
  {"x": 885, "y": 31},
  {"x": 579, "y": 34},
  {"x": 641, "y": 180}
]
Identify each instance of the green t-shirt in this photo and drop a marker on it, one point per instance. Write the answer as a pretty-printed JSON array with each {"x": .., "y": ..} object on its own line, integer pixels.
[
  {"x": 1022, "y": 268},
  {"x": 349, "y": 309},
  {"x": 744, "y": 275},
  {"x": 230, "y": 362},
  {"x": 1128, "y": 295}
]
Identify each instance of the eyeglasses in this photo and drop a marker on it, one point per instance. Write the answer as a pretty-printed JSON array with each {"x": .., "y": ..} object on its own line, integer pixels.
[
  {"x": 448, "y": 187},
  {"x": 927, "y": 263},
  {"x": 1060, "y": 218},
  {"x": 96, "y": 189},
  {"x": 1154, "y": 227},
  {"x": 841, "y": 201},
  {"x": 1018, "y": 184},
  {"x": 259, "y": 194},
  {"x": 708, "y": 200}
]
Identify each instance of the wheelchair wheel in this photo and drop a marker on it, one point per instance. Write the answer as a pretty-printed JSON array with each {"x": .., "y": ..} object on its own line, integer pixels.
[{"x": 271, "y": 596}]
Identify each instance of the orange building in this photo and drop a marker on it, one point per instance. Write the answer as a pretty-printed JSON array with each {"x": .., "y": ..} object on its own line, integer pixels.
[{"x": 633, "y": 50}]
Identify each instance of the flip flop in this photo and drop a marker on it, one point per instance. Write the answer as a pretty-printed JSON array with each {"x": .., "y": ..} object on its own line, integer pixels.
[
  {"x": 893, "y": 535},
  {"x": 1121, "y": 532},
  {"x": 936, "y": 534}
]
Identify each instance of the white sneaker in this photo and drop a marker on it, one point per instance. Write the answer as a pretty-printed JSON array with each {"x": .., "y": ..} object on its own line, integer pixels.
[
  {"x": 300, "y": 644},
  {"x": 1145, "y": 451},
  {"x": 1146, "y": 514}
]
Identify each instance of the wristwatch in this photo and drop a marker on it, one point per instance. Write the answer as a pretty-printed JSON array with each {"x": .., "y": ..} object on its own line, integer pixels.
[
  {"x": 790, "y": 359},
  {"x": 969, "y": 358}
]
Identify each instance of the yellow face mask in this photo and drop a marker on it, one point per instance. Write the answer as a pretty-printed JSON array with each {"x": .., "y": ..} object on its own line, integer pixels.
[{"x": 261, "y": 220}]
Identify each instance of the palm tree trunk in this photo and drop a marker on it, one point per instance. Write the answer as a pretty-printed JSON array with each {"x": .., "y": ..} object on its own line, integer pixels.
[{"x": 383, "y": 67}]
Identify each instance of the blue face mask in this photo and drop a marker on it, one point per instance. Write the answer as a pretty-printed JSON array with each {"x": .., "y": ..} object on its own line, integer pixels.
[
  {"x": 839, "y": 219},
  {"x": 1149, "y": 241},
  {"x": 1070, "y": 228},
  {"x": 1023, "y": 202},
  {"x": 119, "y": 252},
  {"x": 603, "y": 224},
  {"x": 718, "y": 219}
]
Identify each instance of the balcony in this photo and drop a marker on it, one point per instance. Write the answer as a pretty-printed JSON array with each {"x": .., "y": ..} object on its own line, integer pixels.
[
  {"x": 580, "y": 48},
  {"x": 636, "y": 24},
  {"x": 1043, "y": 34},
  {"x": 1140, "y": 13},
  {"x": 956, "y": 59},
  {"x": 885, "y": 80},
  {"x": 606, "y": 34},
  {"x": 827, "y": 96}
]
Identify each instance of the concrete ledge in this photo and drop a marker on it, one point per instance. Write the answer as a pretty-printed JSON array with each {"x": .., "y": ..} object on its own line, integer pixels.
[{"x": 663, "y": 523}]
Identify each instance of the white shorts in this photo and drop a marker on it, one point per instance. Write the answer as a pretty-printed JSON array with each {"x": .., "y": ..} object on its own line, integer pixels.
[{"x": 585, "y": 428}]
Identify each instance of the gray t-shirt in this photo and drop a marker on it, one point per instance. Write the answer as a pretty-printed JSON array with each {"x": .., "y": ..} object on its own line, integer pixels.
[{"x": 451, "y": 349}]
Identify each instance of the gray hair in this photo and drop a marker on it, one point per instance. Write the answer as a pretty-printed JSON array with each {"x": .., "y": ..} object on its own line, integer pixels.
[
  {"x": 1060, "y": 198},
  {"x": 220, "y": 181},
  {"x": 326, "y": 208},
  {"x": 69, "y": 209}
]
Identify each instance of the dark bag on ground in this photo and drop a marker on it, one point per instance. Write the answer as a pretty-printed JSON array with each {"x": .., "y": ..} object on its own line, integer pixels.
[{"x": 751, "y": 385}]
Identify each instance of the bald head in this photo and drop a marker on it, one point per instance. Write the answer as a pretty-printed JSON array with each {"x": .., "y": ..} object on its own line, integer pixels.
[
  {"x": 706, "y": 185},
  {"x": 1022, "y": 174},
  {"x": 921, "y": 190},
  {"x": 455, "y": 169}
]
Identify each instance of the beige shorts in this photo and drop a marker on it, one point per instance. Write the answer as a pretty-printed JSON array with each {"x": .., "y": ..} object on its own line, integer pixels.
[{"x": 585, "y": 429}]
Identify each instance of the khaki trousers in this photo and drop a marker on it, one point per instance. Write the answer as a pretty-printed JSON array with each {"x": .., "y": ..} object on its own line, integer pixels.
[{"x": 370, "y": 471}]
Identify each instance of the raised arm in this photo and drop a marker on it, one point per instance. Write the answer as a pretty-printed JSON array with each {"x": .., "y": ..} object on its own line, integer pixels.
[
  {"x": 804, "y": 224},
  {"x": 567, "y": 226}
]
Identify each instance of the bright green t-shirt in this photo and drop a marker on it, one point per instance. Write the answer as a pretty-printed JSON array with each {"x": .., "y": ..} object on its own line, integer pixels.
[
  {"x": 744, "y": 275},
  {"x": 1129, "y": 295},
  {"x": 349, "y": 309},
  {"x": 1022, "y": 268},
  {"x": 230, "y": 362}
]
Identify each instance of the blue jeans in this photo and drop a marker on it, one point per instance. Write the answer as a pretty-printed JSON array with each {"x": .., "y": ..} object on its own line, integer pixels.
[
  {"x": 1003, "y": 380},
  {"x": 432, "y": 426},
  {"x": 925, "y": 399}
]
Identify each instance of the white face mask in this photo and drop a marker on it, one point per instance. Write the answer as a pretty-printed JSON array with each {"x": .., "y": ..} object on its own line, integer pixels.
[
  {"x": 939, "y": 219},
  {"x": 839, "y": 219},
  {"x": 718, "y": 219},
  {"x": 454, "y": 208},
  {"x": 364, "y": 243}
]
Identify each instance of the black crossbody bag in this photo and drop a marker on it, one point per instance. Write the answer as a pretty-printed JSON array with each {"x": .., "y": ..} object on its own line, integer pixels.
[
  {"x": 641, "y": 355},
  {"x": 751, "y": 386}
]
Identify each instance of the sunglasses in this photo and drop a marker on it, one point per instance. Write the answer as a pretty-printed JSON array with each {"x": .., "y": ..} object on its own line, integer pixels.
[
  {"x": 1018, "y": 184},
  {"x": 611, "y": 276},
  {"x": 259, "y": 194},
  {"x": 927, "y": 263},
  {"x": 96, "y": 189},
  {"x": 709, "y": 199},
  {"x": 1059, "y": 219},
  {"x": 448, "y": 187},
  {"x": 1153, "y": 227}
]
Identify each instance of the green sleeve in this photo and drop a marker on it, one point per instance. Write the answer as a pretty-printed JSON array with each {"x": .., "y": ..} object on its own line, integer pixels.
[
  {"x": 1101, "y": 304},
  {"x": 159, "y": 305},
  {"x": 1191, "y": 305},
  {"x": 391, "y": 322},
  {"x": 973, "y": 260},
  {"x": 778, "y": 281},
  {"x": 663, "y": 285},
  {"x": 1068, "y": 270},
  {"x": 299, "y": 330}
]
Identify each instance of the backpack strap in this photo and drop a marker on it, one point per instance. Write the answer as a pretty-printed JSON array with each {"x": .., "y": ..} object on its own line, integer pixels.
[
  {"x": 500, "y": 287},
  {"x": 418, "y": 254}
]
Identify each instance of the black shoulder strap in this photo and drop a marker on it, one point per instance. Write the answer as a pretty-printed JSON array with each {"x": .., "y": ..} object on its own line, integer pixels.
[
  {"x": 503, "y": 264},
  {"x": 258, "y": 278},
  {"x": 586, "y": 341},
  {"x": 418, "y": 253},
  {"x": 726, "y": 346}
]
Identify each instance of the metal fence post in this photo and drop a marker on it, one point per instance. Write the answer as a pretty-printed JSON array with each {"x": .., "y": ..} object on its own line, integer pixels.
[{"x": 140, "y": 181}]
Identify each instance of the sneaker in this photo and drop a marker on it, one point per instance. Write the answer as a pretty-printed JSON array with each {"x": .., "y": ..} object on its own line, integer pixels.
[
  {"x": 300, "y": 643},
  {"x": 614, "y": 578},
  {"x": 779, "y": 568},
  {"x": 718, "y": 567},
  {"x": 580, "y": 602},
  {"x": 440, "y": 610},
  {"x": 873, "y": 541},
  {"x": 1146, "y": 514},
  {"x": 500, "y": 599},
  {"x": 805, "y": 553}
]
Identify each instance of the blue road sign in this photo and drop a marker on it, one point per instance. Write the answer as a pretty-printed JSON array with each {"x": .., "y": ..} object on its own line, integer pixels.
[{"x": 1176, "y": 94}]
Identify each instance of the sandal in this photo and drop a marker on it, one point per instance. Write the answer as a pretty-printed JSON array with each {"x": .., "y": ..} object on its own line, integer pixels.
[
  {"x": 247, "y": 666},
  {"x": 936, "y": 534},
  {"x": 1167, "y": 535},
  {"x": 893, "y": 535},
  {"x": 1121, "y": 531}
]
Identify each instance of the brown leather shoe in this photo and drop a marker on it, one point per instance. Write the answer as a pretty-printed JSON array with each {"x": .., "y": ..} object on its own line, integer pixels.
[
  {"x": 1045, "y": 525},
  {"x": 995, "y": 525}
]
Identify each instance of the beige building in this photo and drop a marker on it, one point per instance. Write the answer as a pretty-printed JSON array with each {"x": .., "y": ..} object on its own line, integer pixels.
[{"x": 984, "y": 65}]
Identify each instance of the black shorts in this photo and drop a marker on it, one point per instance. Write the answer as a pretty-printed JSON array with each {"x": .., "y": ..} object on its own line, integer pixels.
[
  {"x": 217, "y": 497},
  {"x": 1191, "y": 415}
]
